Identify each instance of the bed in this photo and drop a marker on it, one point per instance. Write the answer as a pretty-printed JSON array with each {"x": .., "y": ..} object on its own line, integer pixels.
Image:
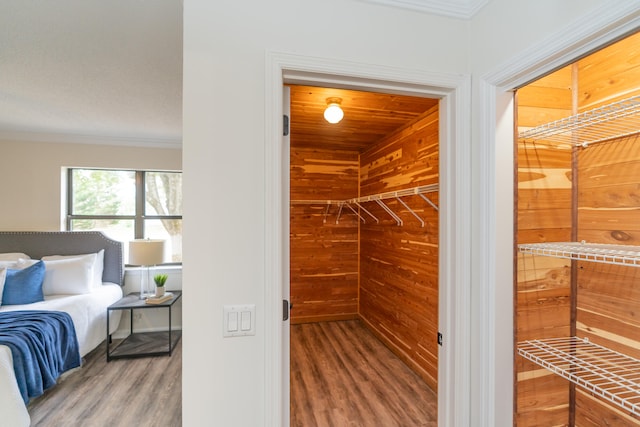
[{"x": 62, "y": 253}]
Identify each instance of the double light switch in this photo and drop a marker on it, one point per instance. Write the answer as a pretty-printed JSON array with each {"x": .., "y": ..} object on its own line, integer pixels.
[{"x": 239, "y": 320}]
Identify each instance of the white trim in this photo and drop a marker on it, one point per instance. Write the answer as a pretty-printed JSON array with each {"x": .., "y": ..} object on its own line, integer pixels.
[
  {"x": 592, "y": 31},
  {"x": 74, "y": 138},
  {"x": 586, "y": 34},
  {"x": 455, "y": 93},
  {"x": 461, "y": 9}
]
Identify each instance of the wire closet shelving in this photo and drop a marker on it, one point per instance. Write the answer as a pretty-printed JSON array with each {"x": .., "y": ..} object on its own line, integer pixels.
[
  {"x": 378, "y": 199},
  {"x": 615, "y": 120},
  {"x": 604, "y": 372},
  {"x": 582, "y": 251},
  {"x": 601, "y": 371}
]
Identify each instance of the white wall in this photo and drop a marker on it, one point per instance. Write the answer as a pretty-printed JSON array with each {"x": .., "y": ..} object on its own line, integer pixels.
[
  {"x": 224, "y": 86},
  {"x": 32, "y": 178},
  {"x": 224, "y": 154}
]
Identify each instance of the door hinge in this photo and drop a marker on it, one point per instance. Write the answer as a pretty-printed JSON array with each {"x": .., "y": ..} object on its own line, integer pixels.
[
  {"x": 285, "y": 125},
  {"x": 439, "y": 338},
  {"x": 286, "y": 306}
]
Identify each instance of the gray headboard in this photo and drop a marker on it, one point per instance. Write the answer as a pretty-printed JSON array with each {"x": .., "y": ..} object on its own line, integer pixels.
[{"x": 37, "y": 244}]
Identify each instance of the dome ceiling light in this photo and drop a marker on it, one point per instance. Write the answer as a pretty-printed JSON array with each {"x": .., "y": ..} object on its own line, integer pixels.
[{"x": 333, "y": 113}]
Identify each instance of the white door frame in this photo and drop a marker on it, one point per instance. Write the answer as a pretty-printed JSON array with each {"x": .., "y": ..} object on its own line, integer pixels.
[
  {"x": 454, "y": 91},
  {"x": 493, "y": 252}
]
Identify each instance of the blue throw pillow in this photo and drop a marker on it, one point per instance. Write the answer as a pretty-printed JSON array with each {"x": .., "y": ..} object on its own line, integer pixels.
[{"x": 24, "y": 286}]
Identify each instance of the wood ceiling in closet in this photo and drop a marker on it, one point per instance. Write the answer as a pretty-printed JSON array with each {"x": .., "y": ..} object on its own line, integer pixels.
[{"x": 368, "y": 117}]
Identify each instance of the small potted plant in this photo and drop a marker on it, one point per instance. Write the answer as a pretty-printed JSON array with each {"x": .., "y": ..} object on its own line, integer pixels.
[{"x": 160, "y": 280}]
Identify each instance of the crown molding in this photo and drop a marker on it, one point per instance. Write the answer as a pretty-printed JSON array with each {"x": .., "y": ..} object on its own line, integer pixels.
[
  {"x": 71, "y": 138},
  {"x": 586, "y": 34},
  {"x": 460, "y": 9}
]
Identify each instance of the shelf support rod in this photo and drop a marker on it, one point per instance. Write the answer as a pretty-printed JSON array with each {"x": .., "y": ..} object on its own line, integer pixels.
[
  {"x": 369, "y": 213},
  {"x": 411, "y": 211},
  {"x": 326, "y": 212},
  {"x": 355, "y": 212},
  {"x": 340, "y": 205},
  {"x": 389, "y": 211},
  {"x": 429, "y": 201}
]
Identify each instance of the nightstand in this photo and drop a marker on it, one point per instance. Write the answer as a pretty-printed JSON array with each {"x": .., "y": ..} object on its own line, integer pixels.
[{"x": 142, "y": 344}]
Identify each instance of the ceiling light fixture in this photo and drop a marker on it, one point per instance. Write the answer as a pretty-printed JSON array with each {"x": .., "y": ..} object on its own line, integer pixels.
[{"x": 333, "y": 113}]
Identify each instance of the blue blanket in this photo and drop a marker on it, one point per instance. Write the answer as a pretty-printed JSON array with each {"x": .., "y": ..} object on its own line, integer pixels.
[{"x": 43, "y": 345}]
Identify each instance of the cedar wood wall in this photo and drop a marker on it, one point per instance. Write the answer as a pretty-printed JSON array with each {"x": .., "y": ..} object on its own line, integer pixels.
[
  {"x": 381, "y": 272},
  {"x": 607, "y": 200}
]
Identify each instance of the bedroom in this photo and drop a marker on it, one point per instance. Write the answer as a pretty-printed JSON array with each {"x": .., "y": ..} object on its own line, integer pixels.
[
  {"x": 37, "y": 148},
  {"x": 464, "y": 46}
]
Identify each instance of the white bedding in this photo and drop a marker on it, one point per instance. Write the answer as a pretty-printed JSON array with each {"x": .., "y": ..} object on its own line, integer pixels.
[{"x": 89, "y": 314}]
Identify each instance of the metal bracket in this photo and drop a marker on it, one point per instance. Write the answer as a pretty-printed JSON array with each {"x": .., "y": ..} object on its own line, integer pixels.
[{"x": 389, "y": 211}]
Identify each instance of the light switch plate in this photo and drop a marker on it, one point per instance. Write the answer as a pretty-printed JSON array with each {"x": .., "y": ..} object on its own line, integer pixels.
[{"x": 239, "y": 320}]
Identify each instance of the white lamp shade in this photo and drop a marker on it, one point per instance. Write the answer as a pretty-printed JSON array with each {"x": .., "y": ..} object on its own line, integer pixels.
[
  {"x": 146, "y": 252},
  {"x": 333, "y": 114}
]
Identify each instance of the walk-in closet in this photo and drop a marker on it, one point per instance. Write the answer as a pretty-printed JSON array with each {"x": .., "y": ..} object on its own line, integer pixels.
[
  {"x": 577, "y": 286},
  {"x": 364, "y": 219}
]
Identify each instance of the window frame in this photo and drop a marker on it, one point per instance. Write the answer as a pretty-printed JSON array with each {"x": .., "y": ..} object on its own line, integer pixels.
[{"x": 140, "y": 215}]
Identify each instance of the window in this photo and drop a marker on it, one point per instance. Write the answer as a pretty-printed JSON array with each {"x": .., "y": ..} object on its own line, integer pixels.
[{"x": 127, "y": 205}]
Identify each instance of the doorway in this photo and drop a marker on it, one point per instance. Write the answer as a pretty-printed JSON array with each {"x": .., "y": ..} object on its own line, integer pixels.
[
  {"x": 454, "y": 94},
  {"x": 364, "y": 250}
]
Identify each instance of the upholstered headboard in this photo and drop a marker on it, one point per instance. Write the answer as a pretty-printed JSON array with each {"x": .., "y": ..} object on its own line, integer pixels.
[{"x": 37, "y": 244}]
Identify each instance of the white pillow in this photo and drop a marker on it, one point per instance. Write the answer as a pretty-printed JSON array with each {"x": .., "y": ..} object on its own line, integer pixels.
[
  {"x": 71, "y": 276},
  {"x": 24, "y": 263},
  {"x": 9, "y": 264},
  {"x": 98, "y": 264},
  {"x": 13, "y": 256},
  {"x": 3, "y": 276}
]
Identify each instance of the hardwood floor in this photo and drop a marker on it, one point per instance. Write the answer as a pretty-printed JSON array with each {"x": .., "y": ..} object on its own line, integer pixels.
[
  {"x": 124, "y": 392},
  {"x": 341, "y": 375}
]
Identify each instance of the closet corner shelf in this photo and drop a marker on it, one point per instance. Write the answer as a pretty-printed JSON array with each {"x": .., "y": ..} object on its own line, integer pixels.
[
  {"x": 604, "y": 372},
  {"x": 615, "y": 120},
  {"x": 603, "y": 253}
]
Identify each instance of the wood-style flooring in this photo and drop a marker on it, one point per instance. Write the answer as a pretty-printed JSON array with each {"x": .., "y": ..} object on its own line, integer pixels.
[
  {"x": 341, "y": 375},
  {"x": 124, "y": 392}
]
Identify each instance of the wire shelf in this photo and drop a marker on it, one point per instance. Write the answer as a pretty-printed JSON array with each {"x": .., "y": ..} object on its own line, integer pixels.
[
  {"x": 604, "y": 372},
  {"x": 423, "y": 189},
  {"x": 615, "y": 120},
  {"x": 378, "y": 198},
  {"x": 603, "y": 253}
]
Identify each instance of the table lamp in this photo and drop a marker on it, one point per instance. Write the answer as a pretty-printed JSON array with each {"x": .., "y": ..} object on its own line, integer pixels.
[{"x": 145, "y": 253}]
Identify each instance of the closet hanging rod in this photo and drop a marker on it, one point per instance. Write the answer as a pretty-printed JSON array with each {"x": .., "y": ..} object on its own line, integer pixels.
[
  {"x": 610, "y": 121},
  {"x": 421, "y": 190},
  {"x": 378, "y": 198},
  {"x": 431, "y": 188}
]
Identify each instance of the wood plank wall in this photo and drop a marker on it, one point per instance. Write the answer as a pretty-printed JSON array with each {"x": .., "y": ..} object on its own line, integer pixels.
[
  {"x": 324, "y": 255},
  {"x": 608, "y": 201},
  {"x": 399, "y": 264},
  {"x": 543, "y": 214},
  {"x": 608, "y": 296}
]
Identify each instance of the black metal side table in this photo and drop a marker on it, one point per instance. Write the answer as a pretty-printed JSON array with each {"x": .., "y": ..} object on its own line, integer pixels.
[{"x": 142, "y": 344}]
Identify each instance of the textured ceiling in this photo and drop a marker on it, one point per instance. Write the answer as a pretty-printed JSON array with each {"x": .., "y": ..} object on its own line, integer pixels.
[
  {"x": 91, "y": 71},
  {"x": 110, "y": 71}
]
